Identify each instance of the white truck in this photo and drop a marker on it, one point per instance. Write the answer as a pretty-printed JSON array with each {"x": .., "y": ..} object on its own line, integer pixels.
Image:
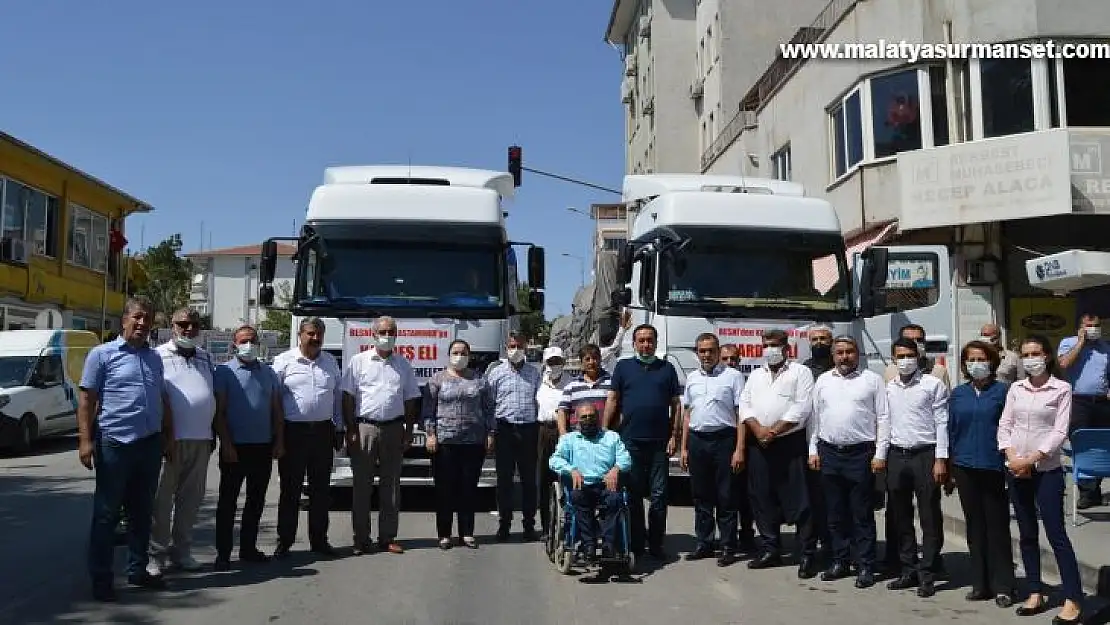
[
  {"x": 425, "y": 245},
  {"x": 736, "y": 256}
]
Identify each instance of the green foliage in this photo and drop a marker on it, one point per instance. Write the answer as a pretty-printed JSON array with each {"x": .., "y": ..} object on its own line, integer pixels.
[
  {"x": 280, "y": 320},
  {"x": 532, "y": 323},
  {"x": 170, "y": 277}
]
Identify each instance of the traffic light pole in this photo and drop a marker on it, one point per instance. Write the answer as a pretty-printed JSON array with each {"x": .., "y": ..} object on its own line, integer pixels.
[{"x": 570, "y": 180}]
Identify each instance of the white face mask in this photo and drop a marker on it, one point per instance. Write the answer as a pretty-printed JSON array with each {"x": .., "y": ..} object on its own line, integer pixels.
[
  {"x": 906, "y": 366},
  {"x": 773, "y": 355},
  {"x": 1093, "y": 333},
  {"x": 979, "y": 370},
  {"x": 459, "y": 361},
  {"x": 184, "y": 342},
  {"x": 989, "y": 340},
  {"x": 1034, "y": 366},
  {"x": 385, "y": 343},
  {"x": 515, "y": 355},
  {"x": 247, "y": 351},
  {"x": 555, "y": 371}
]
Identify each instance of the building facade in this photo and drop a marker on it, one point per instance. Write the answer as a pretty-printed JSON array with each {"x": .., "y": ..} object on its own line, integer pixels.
[
  {"x": 56, "y": 253},
  {"x": 610, "y": 229},
  {"x": 225, "y": 286},
  {"x": 999, "y": 160}
]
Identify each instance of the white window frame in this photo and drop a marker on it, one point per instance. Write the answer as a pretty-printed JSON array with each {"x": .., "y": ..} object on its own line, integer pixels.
[
  {"x": 1039, "y": 76},
  {"x": 865, "y": 130},
  {"x": 29, "y": 244},
  {"x": 782, "y": 163},
  {"x": 90, "y": 238}
]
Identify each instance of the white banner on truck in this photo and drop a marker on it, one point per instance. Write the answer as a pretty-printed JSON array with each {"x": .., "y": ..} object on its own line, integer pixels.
[
  {"x": 748, "y": 337},
  {"x": 425, "y": 342}
]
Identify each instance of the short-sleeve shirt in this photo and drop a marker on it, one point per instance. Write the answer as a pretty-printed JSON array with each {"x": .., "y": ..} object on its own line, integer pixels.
[
  {"x": 580, "y": 391},
  {"x": 713, "y": 398},
  {"x": 380, "y": 386},
  {"x": 1088, "y": 374},
  {"x": 647, "y": 391},
  {"x": 190, "y": 389},
  {"x": 248, "y": 390},
  {"x": 129, "y": 383}
]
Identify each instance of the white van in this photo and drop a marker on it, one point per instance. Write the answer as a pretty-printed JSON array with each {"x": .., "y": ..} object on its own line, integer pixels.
[{"x": 39, "y": 374}]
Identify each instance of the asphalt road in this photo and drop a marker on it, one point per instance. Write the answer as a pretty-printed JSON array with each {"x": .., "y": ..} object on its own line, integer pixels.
[{"x": 44, "y": 516}]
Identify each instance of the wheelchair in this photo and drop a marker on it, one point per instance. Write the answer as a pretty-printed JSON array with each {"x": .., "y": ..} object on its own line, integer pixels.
[{"x": 562, "y": 537}]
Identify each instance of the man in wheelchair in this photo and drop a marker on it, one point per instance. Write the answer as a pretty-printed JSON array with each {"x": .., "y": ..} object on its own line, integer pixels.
[{"x": 592, "y": 460}]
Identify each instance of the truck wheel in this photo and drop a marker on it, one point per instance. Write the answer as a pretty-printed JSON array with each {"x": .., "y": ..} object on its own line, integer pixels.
[{"x": 28, "y": 432}]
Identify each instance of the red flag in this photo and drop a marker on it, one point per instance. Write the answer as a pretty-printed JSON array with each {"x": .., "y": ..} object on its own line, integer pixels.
[{"x": 116, "y": 241}]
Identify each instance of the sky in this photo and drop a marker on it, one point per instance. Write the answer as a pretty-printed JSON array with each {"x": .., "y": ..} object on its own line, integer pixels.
[{"x": 224, "y": 115}]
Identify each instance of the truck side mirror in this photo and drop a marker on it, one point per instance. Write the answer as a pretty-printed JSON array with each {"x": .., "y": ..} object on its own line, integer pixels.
[
  {"x": 535, "y": 268},
  {"x": 624, "y": 264},
  {"x": 535, "y": 301},
  {"x": 266, "y": 296},
  {"x": 268, "y": 267},
  {"x": 872, "y": 279}
]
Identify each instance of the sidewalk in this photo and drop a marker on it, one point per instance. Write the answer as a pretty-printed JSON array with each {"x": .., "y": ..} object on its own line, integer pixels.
[{"x": 1091, "y": 539}]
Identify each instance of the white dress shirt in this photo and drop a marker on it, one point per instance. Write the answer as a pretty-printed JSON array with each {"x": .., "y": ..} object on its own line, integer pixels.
[
  {"x": 548, "y": 397},
  {"x": 713, "y": 398},
  {"x": 849, "y": 410},
  {"x": 380, "y": 386},
  {"x": 785, "y": 395},
  {"x": 309, "y": 388},
  {"x": 918, "y": 413},
  {"x": 190, "y": 390}
]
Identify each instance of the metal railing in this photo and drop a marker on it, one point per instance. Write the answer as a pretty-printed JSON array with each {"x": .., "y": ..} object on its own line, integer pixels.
[{"x": 777, "y": 74}]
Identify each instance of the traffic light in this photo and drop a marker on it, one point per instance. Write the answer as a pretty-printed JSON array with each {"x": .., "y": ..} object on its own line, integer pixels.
[{"x": 515, "y": 167}]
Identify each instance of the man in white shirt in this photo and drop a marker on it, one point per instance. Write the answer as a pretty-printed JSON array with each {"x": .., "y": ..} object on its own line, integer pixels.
[
  {"x": 917, "y": 466},
  {"x": 712, "y": 450},
  {"x": 548, "y": 397},
  {"x": 775, "y": 406},
  {"x": 191, "y": 394},
  {"x": 380, "y": 391},
  {"x": 311, "y": 401},
  {"x": 851, "y": 422}
]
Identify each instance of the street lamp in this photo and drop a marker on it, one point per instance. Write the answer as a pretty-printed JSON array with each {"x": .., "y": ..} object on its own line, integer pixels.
[
  {"x": 580, "y": 212},
  {"x": 581, "y": 266}
]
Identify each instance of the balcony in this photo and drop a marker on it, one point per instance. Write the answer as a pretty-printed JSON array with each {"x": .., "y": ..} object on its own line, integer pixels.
[{"x": 1034, "y": 174}]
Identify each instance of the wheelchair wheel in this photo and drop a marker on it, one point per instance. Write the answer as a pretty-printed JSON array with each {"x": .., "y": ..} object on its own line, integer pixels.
[
  {"x": 555, "y": 529},
  {"x": 630, "y": 562},
  {"x": 564, "y": 558}
]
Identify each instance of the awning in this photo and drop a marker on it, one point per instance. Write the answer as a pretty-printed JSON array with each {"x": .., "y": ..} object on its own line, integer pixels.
[{"x": 825, "y": 271}]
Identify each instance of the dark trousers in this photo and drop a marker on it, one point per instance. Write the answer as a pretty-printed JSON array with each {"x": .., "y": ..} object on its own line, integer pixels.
[
  {"x": 516, "y": 449},
  {"x": 849, "y": 493},
  {"x": 1088, "y": 411},
  {"x": 818, "y": 513},
  {"x": 456, "y": 469},
  {"x": 1043, "y": 493},
  {"x": 742, "y": 503},
  {"x": 548, "y": 439},
  {"x": 591, "y": 502},
  {"x": 909, "y": 477},
  {"x": 308, "y": 451},
  {"x": 255, "y": 465},
  {"x": 779, "y": 491},
  {"x": 711, "y": 483},
  {"x": 648, "y": 480},
  {"x": 126, "y": 476},
  {"x": 987, "y": 514}
]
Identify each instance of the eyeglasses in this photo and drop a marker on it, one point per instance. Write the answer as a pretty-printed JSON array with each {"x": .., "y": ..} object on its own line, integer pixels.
[{"x": 185, "y": 325}]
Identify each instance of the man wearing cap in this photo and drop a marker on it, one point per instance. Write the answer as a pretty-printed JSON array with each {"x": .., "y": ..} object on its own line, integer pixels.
[{"x": 548, "y": 397}]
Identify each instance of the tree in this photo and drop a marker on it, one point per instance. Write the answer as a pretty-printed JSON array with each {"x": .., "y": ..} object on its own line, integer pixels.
[
  {"x": 532, "y": 323},
  {"x": 280, "y": 320},
  {"x": 170, "y": 277}
]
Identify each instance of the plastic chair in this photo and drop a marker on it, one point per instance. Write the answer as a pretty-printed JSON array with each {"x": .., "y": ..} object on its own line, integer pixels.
[{"x": 1090, "y": 459}]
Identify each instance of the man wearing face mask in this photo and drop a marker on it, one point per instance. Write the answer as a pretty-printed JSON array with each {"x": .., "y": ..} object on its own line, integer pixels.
[
  {"x": 513, "y": 386},
  {"x": 1010, "y": 370},
  {"x": 775, "y": 406},
  {"x": 730, "y": 357},
  {"x": 380, "y": 393},
  {"x": 820, "y": 350},
  {"x": 189, "y": 385},
  {"x": 917, "y": 468},
  {"x": 311, "y": 400},
  {"x": 1084, "y": 359},
  {"x": 548, "y": 398},
  {"x": 249, "y": 423}
]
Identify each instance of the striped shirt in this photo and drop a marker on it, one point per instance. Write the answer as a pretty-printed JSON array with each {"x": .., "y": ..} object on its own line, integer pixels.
[
  {"x": 582, "y": 391},
  {"x": 457, "y": 409},
  {"x": 513, "y": 392}
]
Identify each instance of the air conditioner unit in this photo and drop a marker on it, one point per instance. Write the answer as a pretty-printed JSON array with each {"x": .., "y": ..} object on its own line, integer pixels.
[
  {"x": 645, "y": 26},
  {"x": 630, "y": 65},
  {"x": 697, "y": 89},
  {"x": 649, "y": 105},
  {"x": 626, "y": 91}
]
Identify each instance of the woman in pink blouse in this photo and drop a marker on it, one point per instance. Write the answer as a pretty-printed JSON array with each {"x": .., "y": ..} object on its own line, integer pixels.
[{"x": 1032, "y": 429}]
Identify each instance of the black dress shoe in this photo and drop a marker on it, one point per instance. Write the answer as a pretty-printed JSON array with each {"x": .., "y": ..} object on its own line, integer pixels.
[
  {"x": 807, "y": 568},
  {"x": 765, "y": 561},
  {"x": 502, "y": 534},
  {"x": 147, "y": 581},
  {"x": 1059, "y": 620},
  {"x": 977, "y": 595},
  {"x": 926, "y": 589},
  {"x": 253, "y": 555},
  {"x": 865, "y": 578},
  {"x": 324, "y": 549},
  {"x": 701, "y": 553},
  {"x": 657, "y": 553},
  {"x": 1004, "y": 599},
  {"x": 221, "y": 564},
  {"x": 838, "y": 570},
  {"x": 281, "y": 552},
  {"x": 1023, "y": 610},
  {"x": 906, "y": 581},
  {"x": 728, "y": 558},
  {"x": 529, "y": 535},
  {"x": 104, "y": 593}
]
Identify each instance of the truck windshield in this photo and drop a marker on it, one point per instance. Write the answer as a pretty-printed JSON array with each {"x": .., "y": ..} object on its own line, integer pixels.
[{"x": 730, "y": 271}]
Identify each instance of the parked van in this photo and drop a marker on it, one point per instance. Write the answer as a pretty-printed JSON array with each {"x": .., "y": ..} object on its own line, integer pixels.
[{"x": 39, "y": 374}]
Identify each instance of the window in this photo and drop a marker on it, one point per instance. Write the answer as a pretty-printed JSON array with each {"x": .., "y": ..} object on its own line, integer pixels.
[
  {"x": 1007, "y": 95},
  {"x": 647, "y": 281},
  {"x": 88, "y": 239},
  {"x": 912, "y": 282},
  {"x": 847, "y": 134},
  {"x": 896, "y": 113},
  {"x": 614, "y": 244},
  {"x": 1086, "y": 97},
  {"x": 938, "y": 97},
  {"x": 780, "y": 163},
  {"x": 30, "y": 217}
]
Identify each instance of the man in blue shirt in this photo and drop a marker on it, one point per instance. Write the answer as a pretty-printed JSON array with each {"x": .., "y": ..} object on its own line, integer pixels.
[
  {"x": 123, "y": 421},
  {"x": 646, "y": 395},
  {"x": 250, "y": 425},
  {"x": 593, "y": 460},
  {"x": 1085, "y": 358}
]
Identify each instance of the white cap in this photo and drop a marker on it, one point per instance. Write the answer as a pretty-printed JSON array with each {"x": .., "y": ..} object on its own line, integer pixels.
[{"x": 552, "y": 352}]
